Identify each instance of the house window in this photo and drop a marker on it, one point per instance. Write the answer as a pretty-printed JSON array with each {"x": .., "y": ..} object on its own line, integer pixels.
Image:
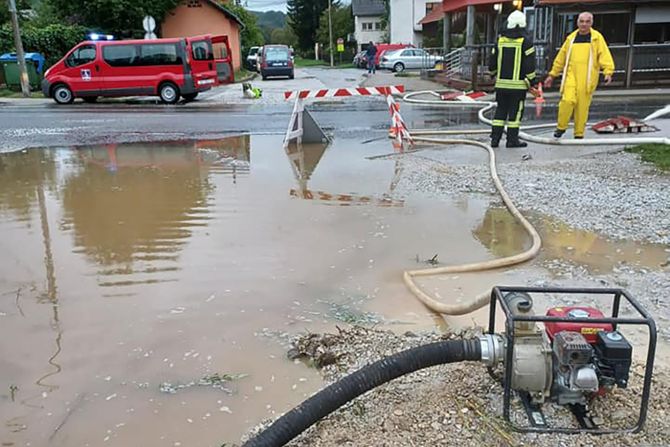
[
  {"x": 378, "y": 26},
  {"x": 367, "y": 26}
]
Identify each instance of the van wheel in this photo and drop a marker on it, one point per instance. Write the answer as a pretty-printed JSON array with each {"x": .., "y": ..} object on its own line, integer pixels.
[
  {"x": 399, "y": 67},
  {"x": 169, "y": 93},
  {"x": 190, "y": 96},
  {"x": 90, "y": 99},
  {"x": 62, "y": 94}
]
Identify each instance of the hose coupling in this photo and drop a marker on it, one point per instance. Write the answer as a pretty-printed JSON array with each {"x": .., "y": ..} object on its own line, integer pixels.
[{"x": 493, "y": 349}]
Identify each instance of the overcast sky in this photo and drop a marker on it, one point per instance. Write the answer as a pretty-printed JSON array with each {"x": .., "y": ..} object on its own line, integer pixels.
[{"x": 270, "y": 5}]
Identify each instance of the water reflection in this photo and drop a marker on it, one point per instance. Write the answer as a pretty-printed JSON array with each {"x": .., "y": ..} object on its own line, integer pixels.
[
  {"x": 21, "y": 176},
  {"x": 304, "y": 158},
  {"x": 503, "y": 236}
]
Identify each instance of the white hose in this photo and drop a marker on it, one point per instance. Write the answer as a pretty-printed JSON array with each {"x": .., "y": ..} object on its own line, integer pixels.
[
  {"x": 488, "y": 105},
  {"x": 659, "y": 113},
  {"x": 484, "y": 298}
]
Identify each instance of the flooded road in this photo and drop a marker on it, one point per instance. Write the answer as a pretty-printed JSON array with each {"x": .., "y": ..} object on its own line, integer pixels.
[{"x": 147, "y": 290}]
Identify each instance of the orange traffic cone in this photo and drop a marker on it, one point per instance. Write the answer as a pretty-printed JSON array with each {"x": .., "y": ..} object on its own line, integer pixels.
[{"x": 539, "y": 101}]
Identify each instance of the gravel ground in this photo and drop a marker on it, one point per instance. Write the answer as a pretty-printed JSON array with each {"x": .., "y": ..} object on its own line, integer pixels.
[
  {"x": 457, "y": 404},
  {"x": 610, "y": 193}
]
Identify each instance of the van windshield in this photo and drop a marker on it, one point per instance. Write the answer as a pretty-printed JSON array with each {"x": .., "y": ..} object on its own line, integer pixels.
[{"x": 276, "y": 54}]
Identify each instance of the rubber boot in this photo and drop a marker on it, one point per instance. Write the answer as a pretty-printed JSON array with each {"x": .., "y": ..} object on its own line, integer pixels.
[
  {"x": 513, "y": 138},
  {"x": 496, "y": 135}
]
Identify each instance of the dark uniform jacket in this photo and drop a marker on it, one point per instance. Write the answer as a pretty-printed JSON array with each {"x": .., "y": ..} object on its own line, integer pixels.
[{"x": 513, "y": 61}]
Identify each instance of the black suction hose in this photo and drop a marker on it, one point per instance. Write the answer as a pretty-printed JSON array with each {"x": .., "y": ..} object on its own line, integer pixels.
[{"x": 339, "y": 393}]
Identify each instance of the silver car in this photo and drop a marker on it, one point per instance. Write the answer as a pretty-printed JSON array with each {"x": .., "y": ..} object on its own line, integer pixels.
[{"x": 399, "y": 60}]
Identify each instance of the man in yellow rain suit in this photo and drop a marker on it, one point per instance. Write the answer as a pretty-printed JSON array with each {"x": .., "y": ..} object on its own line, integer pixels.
[{"x": 583, "y": 55}]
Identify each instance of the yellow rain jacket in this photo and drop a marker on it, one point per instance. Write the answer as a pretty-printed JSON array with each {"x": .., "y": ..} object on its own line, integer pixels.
[{"x": 581, "y": 68}]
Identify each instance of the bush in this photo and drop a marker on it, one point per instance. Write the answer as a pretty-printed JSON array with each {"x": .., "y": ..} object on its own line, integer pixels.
[{"x": 53, "y": 41}]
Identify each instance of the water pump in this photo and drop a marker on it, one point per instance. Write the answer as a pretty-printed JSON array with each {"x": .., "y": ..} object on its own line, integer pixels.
[{"x": 575, "y": 355}]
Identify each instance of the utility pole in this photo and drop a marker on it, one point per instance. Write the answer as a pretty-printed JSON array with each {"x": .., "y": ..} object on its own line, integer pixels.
[
  {"x": 25, "y": 85},
  {"x": 330, "y": 31}
]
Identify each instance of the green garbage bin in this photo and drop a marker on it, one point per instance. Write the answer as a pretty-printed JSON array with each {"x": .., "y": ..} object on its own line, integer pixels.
[{"x": 13, "y": 75}]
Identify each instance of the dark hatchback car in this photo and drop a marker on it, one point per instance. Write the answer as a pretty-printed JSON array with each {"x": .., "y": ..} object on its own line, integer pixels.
[{"x": 276, "y": 60}]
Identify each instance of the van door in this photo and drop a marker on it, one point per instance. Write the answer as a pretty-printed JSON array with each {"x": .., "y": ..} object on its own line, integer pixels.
[
  {"x": 202, "y": 62},
  {"x": 224, "y": 60},
  {"x": 82, "y": 71},
  {"x": 122, "y": 75}
]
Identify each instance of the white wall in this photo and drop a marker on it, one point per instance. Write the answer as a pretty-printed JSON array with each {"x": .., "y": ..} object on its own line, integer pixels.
[
  {"x": 404, "y": 19},
  {"x": 364, "y": 37}
]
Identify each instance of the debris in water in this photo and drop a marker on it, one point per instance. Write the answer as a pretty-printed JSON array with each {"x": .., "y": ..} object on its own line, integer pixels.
[{"x": 216, "y": 380}]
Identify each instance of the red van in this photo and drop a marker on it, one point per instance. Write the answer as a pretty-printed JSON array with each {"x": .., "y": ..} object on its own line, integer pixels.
[{"x": 168, "y": 68}]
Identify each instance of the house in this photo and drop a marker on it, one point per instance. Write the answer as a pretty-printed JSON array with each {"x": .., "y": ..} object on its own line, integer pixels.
[
  {"x": 197, "y": 17},
  {"x": 367, "y": 22},
  {"x": 637, "y": 32},
  {"x": 404, "y": 26}
]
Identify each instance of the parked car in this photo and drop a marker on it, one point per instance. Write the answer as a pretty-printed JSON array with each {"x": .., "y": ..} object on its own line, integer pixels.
[
  {"x": 399, "y": 60},
  {"x": 383, "y": 48},
  {"x": 168, "y": 68},
  {"x": 361, "y": 60},
  {"x": 252, "y": 58},
  {"x": 276, "y": 60}
]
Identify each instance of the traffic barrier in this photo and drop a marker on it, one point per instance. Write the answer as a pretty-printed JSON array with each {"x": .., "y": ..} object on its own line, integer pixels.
[{"x": 303, "y": 128}]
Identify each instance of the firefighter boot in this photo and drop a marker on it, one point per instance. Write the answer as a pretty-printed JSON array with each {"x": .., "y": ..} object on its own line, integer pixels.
[
  {"x": 496, "y": 135},
  {"x": 513, "y": 138}
]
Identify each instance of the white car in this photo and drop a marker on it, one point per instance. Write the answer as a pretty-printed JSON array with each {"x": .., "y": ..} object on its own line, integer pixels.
[
  {"x": 252, "y": 57},
  {"x": 399, "y": 60}
]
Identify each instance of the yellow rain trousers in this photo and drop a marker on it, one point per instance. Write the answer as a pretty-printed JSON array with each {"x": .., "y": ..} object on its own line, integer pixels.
[{"x": 580, "y": 64}]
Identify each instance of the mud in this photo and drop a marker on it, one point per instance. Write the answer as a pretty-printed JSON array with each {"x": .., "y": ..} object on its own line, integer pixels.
[{"x": 148, "y": 291}]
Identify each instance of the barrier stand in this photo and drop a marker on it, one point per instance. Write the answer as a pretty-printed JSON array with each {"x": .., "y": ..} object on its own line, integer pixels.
[
  {"x": 398, "y": 131},
  {"x": 303, "y": 128}
]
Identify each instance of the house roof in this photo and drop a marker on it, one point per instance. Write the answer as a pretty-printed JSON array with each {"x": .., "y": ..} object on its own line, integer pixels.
[
  {"x": 225, "y": 11},
  {"x": 435, "y": 15},
  {"x": 363, "y": 8},
  {"x": 459, "y": 5}
]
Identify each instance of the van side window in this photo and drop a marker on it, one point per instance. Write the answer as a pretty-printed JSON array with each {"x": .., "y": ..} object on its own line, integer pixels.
[
  {"x": 159, "y": 54},
  {"x": 80, "y": 56},
  {"x": 121, "y": 55},
  {"x": 202, "y": 51}
]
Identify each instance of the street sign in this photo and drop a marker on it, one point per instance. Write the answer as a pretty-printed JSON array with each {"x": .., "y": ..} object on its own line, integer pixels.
[
  {"x": 149, "y": 24},
  {"x": 340, "y": 45}
]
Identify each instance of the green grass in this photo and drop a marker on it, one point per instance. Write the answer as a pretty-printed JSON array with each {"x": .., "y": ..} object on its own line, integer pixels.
[
  {"x": 658, "y": 154},
  {"x": 243, "y": 75},
  {"x": 6, "y": 93},
  {"x": 300, "y": 62}
]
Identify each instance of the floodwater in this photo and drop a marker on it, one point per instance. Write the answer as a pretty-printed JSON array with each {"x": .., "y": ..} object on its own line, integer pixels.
[{"x": 146, "y": 290}]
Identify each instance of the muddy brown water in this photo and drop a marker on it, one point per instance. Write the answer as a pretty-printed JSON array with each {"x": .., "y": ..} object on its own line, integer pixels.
[{"x": 125, "y": 267}]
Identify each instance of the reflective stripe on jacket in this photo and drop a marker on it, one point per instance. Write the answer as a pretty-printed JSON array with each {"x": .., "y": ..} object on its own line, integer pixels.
[{"x": 513, "y": 62}]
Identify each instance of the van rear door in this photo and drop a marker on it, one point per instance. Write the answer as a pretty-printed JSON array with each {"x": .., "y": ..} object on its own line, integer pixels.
[
  {"x": 223, "y": 59},
  {"x": 202, "y": 62}
]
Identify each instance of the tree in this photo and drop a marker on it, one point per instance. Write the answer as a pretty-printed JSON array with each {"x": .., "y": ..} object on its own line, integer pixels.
[
  {"x": 303, "y": 18},
  {"x": 251, "y": 35},
  {"x": 343, "y": 25},
  {"x": 120, "y": 17},
  {"x": 284, "y": 36}
]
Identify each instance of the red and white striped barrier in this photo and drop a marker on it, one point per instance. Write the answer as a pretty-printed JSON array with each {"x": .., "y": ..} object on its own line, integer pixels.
[
  {"x": 295, "y": 129},
  {"x": 462, "y": 96},
  {"x": 340, "y": 92},
  {"x": 398, "y": 129}
]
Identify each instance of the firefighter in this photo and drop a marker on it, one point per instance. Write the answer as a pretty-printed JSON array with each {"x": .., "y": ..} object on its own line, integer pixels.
[
  {"x": 513, "y": 64},
  {"x": 581, "y": 58}
]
